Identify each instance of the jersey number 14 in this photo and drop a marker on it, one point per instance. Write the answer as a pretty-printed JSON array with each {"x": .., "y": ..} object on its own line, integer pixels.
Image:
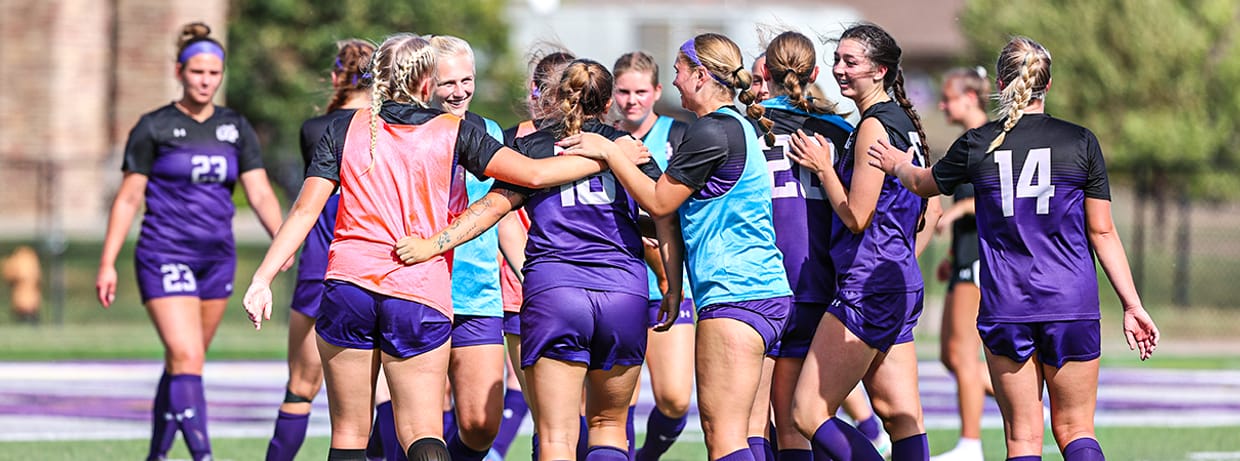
[{"x": 1034, "y": 181}]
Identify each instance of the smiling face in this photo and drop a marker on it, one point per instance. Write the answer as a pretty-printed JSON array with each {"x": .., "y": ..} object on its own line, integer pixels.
[
  {"x": 761, "y": 83},
  {"x": 635, "y": 95},
  {"x": 454, "y": 84},
  {"x": 688, "y": 82},
  {"x": 856, "y": 74},
  {"x": 200, "y": 76}
]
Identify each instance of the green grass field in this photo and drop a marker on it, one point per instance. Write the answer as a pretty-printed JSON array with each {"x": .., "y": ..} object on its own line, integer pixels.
[{"x": 1120, "y": 443}]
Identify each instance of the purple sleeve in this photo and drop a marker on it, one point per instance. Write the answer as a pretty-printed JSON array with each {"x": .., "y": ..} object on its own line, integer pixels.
[{"x": 140, "y": 148}]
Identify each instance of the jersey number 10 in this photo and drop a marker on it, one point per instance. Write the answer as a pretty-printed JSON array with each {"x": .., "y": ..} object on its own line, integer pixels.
[
  {"x": 579, "y": 192},
  {"x": 1034, "y": 181}
]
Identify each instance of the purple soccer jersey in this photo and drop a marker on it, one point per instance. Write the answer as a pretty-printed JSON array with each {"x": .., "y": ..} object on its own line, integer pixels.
[
  {"x": 1036, "y": 261},
  {"x": 881, "y": 259},
  {"x": 191, "y": 168},
  {"x": 583, "y": 234},
  {"x": 802, "y": 215}
]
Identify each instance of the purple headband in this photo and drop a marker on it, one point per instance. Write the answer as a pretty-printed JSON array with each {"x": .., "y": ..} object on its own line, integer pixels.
[
  {"x": 199, "y": 47},
  {"x": 691, "y": 52}
]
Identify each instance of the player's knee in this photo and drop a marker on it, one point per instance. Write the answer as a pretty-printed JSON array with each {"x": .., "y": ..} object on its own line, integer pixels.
[
  {"x": 477, "y": 429},
  {"x": 428, "y": 449},
  {"x": 806, "y": 418},
  {"x": 186, "y": 360},
  {"x": 672, "y": 406}
]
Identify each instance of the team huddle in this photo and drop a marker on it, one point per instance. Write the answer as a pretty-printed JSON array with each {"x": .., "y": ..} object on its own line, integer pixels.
[{"x": 454, "y": 275}]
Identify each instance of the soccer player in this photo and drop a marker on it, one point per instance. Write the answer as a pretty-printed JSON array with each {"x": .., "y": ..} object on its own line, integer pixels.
[
  {"x": 476, "y": 363},
  {"x": 305, "y": 370},
  {"x": 584, "y": 317},
  {"x": 802, "y": 217},
  {"x": 669, "y": 354},
  {"x": 546, "y": 66},
  {"x": 963, "y": 101},
  {"x": 868, "y": 335},
  {"x": 398, "y": 164},
  {"x": 718, "y": 187},
  {"x": 1043, "y": 210},
  {"x": 183, "y": 161}
]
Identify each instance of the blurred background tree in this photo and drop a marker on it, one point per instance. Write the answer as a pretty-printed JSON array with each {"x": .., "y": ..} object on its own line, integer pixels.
[
  {"x": 1155, "y": 80},
  {"x": 280, "y": 56}
]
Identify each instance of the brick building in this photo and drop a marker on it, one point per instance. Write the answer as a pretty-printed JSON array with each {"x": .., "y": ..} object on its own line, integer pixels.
[{"x": 76, "y": 76}]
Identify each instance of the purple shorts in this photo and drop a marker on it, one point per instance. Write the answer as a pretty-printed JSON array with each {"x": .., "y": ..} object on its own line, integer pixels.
[
  {"x": 512, "y": 323},
  {"x": 476, "y": 330},
  {"x": 1055, "y": 343},
  {"x": 767, "y": 316},
  {"x": 598, "y": 328},
  {"x": 798, "y": 331},
  {"x": 685, "y": 316},
  {"x": 161, "y": 276},
  {"x": 881, "y": 320},
  {"x": 354, "y": 318},
  {"x": 307, "y": 295}
]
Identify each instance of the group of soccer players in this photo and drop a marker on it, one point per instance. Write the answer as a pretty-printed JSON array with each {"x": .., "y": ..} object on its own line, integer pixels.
[{"x": 768, "y": 253}]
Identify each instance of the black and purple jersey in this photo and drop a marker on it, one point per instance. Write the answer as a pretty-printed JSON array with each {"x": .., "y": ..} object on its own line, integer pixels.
[
  {"x": 191, "y": 169},
  {"x": 802, "y": 213},
  {"x": 1036, "y": 261},
  {"x": 312, "y": 263},
  {"x": 582, "y": 234},
  {"x": 882, "y": 259}
]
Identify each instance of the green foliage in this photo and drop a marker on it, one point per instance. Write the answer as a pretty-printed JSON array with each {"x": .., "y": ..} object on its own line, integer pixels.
[
  {"x": 1153, "y": 79},
  {"x": 280, "y": 52}
]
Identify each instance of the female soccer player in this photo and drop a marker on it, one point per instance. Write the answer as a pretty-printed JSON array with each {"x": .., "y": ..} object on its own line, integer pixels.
[
  {"x": 476, "y": 363},
  {"x": 396, "y": 165},
  {"x": 305, "y": 369},
  {"x": 868, "y": 336},
  {"x": 718, "y": 187},
  {"x": 584, "y": 316},
  {"x": 183, "y": 161},
  {"x": 1043, "y": 209},
  {"x": 669, "y": 354},
  {"x": 802, "y": 218},
  {"x": 963, "y": 101}
]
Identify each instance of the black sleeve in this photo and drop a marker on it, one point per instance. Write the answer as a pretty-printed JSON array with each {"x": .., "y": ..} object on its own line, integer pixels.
[
  {"x": 140, "y": 148},
  {"x": 1096, "y": 183},
  {"x": 704, "y": 150},
  {"x": 953, "y": 169},
  {"x": 539, "y": 144},
  {"x": 307, "y": 143},
  {"x": 325, "y": 163},
  {"x": 251, "y": 157},
  {"x": 474, "y": 148},
  {"x": 676, "y": 134}
]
